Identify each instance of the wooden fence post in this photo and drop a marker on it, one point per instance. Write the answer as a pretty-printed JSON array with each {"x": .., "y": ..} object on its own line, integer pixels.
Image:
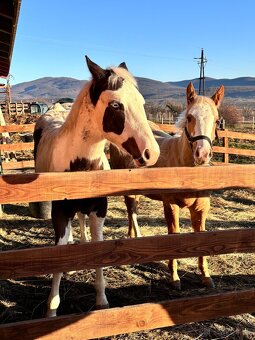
[{"x": 225, "y": 144}]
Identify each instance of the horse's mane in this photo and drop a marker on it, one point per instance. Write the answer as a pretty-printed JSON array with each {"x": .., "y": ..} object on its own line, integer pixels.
[{"x": 181, "y": 121}]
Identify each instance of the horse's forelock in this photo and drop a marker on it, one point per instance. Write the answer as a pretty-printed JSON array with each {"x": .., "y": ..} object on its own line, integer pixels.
[
  {"x": 123, "y": 73},
  {"x": 112, "y": 81}
]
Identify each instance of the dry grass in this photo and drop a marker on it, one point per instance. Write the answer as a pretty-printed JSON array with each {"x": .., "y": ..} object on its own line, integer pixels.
[{"x": 24, "y": 299}]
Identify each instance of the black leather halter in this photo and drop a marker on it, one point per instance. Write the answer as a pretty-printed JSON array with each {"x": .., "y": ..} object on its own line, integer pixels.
[{"x": 194, "y": 139}]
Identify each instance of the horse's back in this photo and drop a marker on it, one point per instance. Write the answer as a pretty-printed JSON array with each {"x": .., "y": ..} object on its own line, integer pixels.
[{"x": 45, "y": 130}]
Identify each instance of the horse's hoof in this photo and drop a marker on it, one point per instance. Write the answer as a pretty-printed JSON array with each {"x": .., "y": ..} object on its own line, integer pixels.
[
  {"x": 176, "y": 285},
  {"x": 106, "y": 306},
  {"x": 208, "y": 282},
  {"x": 51, "y": 314}
]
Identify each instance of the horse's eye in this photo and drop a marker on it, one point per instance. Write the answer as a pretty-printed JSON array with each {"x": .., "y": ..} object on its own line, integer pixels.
[
  {"x": 217, "y": 122},
  {"x": 115, "y": 105}
]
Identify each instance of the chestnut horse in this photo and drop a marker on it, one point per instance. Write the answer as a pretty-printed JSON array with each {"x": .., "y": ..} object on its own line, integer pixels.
[
  {"x": 109, "y": 107},
  {"x": 192, "y": 148}
]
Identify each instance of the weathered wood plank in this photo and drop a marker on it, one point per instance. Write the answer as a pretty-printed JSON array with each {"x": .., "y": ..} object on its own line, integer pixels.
[
  {"x": 236, "y": 135},
  {"x": 234, "y": 151},
  {"x": 37, "y": 261},
  {"x": 135, "y": 318},
  {"x": 17, "y": 146},
  {"x": 17, "y": 128},
  {"x": 55, "y": 186},
  {"x": 18, "y": 165},
  {"x": 170, "y": 128}
]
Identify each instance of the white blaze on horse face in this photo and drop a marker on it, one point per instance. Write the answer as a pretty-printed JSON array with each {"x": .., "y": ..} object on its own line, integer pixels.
[
  {"x": 204, "y": 115},
  {"x": 135, "y": 125}
]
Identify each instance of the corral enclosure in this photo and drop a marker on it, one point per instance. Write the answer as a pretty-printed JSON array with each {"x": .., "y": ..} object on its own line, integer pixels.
[
  {"x": 135, "y": 284},
  {"x": 140, "y": 283}
]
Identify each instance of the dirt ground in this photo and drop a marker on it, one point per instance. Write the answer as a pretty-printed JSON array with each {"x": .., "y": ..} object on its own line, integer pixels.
[{"x": 24, "y": 299}]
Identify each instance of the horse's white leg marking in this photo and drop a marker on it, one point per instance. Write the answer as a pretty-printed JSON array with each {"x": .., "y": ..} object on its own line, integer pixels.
[
  {"x": 70, "y": 238},
  {"x": 83, "y": 227},
  {"x": 54, "y": 299},
  {"x": 96, "y": 229},
  {"x": 135, "y": 226}
]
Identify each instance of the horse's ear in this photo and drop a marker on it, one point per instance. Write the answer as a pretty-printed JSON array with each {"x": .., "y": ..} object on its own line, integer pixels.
[
  {"x": 190, "y": 93},
  {"x": 218, "y": 96},
  {"x": 123, "y": 65},
  {"x": 96, "y": 71}
]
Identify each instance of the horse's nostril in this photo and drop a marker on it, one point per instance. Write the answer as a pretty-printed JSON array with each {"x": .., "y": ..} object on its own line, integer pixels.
[{"x": 147, "y": 154}]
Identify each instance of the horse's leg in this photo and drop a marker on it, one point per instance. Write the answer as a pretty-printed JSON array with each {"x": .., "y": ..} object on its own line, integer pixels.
[
  {"x": 132, "y": 206},
  {"x": 171, "y": 212},
  {"x": 198, "y": 212},
  {"x": 96, "y": 229},
  {"x": 70, "y": 237},
  {"x": 84, "y": 230},
  {"x": 62, "y": 226}
]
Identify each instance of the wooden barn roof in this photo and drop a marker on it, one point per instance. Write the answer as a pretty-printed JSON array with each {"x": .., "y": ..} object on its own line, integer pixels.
[{"x": 9, "y": 14}]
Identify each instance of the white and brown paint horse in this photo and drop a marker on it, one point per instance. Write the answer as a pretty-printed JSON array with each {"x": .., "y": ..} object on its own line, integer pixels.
[
  {"x": 109, "y": 107},
  {"x": 193, "y": 147}
]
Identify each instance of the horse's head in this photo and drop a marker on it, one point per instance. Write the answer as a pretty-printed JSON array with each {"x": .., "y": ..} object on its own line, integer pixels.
[
  {"x": 120, "y": 114},
  {"x": 201, "y": 123}
]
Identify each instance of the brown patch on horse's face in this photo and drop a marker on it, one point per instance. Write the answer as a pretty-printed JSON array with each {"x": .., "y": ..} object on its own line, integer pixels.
[
  {"x": 84, "y": 164},
  {"x": 114, "y": 118},
  {"x": 191, "y": 122},
  {"x": 132, "y": 148}
]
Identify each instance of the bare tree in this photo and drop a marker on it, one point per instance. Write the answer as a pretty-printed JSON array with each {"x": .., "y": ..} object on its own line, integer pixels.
[
  {"x": 231, "y": 114},
  {"x": 248, "y": 112}
]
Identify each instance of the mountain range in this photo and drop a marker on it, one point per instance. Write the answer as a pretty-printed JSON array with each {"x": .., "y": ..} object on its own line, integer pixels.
[{"x": 240, "y": 91}]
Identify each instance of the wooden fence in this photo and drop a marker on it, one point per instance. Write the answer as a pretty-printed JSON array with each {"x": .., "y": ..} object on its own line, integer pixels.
[
  {"x": 15, "y": 108},
  {"x": 226, "y": 150},
  {"x": 54, "y": 186}
]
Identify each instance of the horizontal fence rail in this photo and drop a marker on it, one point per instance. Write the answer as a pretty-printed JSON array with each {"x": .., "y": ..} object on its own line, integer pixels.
[
  {"x": 128, "y": 319},
  {"x": 17, "y": 128},
  {"x": 20, "y": 188},
  {"x": 38, "y": 261},
  {"x": 225, "y": 150}
]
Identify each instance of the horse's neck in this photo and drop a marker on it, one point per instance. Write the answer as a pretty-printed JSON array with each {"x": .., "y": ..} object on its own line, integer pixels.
[
  {"x": 80, "y": 132},
  {"x": 175, "y": 151},
  {"x": 186, "y": 154}
]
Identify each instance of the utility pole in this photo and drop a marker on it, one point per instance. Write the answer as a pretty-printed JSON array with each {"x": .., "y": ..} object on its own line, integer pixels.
[{"x": 202, "y": 62}]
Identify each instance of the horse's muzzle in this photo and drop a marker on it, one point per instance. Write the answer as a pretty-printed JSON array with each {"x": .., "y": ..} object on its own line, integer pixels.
[
  {"x": 202, "y": 156},
  {"x": 149, "y": 157}
]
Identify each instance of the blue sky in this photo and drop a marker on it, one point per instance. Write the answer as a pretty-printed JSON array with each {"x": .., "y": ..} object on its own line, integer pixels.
[{"x": 157, "y": 39}]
